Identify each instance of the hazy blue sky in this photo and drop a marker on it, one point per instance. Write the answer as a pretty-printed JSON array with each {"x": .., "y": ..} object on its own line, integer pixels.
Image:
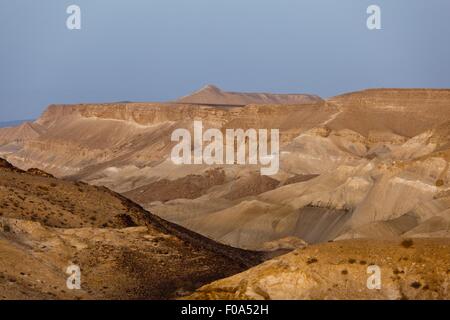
[{"x": 156, "y": 50}]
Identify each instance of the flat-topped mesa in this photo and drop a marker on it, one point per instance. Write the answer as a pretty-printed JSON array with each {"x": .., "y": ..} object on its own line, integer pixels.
[
  {"x": 78, "y": 135},
  {"x": 82, "y": 135},
  {"x": 139, "y": 113},
  {"x": 426, "y": 106},
  {"x": 154, "y": 113},
  {"x": 212, "y": 95},
  {"x": 421, "y": 98},
  {"x": 406, "y": 112}
]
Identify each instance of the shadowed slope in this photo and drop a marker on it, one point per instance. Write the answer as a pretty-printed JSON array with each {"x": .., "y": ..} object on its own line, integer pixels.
[{"x": 123, "y": 251}]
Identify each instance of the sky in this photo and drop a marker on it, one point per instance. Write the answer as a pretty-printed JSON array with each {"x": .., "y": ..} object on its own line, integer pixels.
[{"x": 157, "y": 50}]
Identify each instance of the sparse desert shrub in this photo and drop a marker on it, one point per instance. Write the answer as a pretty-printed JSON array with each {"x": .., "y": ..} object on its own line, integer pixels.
[
  {"x": 6, "y": 228},
  {"x": 344, "y": 272},
  {"x": 125, "y": 219},
  {"x": 439, "y": 183},
  {"x": 397, "y": 271},
  {"x": 407, "y": 243},
  {"x": 351, "y": 261},
  {"x": 311, "y": 260},
  {"x": 416, "y": 284}
]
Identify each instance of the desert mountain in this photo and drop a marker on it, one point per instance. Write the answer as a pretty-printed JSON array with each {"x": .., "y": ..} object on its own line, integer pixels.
[
  {"x": 368, "y": 164},
  {"x": 124, "y": 252},
  {"x": 212, "y": 95}
]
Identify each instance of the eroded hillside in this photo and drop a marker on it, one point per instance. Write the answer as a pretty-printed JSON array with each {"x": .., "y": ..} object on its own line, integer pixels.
[{"x": 123, "y": 251}]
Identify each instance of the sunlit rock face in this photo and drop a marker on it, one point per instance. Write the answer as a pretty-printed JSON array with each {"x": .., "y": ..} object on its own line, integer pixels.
[{"x": 353, "y": 269}]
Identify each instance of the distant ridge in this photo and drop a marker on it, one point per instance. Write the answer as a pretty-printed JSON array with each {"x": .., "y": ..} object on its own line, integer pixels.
[
  {"x": 13, "y": 123},
  {"x": 21, "y": 132},
  {"x": 212, "y": 95}
]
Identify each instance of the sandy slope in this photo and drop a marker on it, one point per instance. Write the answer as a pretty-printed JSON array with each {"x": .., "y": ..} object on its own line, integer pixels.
[{"x": 124, "y": 252}]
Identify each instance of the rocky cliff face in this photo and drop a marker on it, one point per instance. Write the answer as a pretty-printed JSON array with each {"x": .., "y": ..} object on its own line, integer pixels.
[
  {"x": 84, "y": 135},
  {"x": 24, "y": 132}
]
